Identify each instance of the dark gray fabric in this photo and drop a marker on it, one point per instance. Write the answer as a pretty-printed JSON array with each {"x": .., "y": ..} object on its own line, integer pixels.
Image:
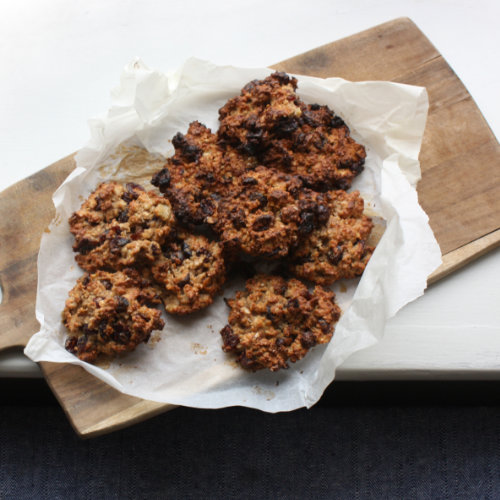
[{"x": 326, "y": 452}]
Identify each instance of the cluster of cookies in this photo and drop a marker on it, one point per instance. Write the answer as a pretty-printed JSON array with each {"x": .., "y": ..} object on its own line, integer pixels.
[{"x": 269, "y": 184}]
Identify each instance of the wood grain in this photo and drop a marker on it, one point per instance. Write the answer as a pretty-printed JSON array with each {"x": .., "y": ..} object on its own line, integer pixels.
[
  {"x": 92, "y": 406},
  {"x": 460, "y": 191},
  {"x": 26, "y": 209}
]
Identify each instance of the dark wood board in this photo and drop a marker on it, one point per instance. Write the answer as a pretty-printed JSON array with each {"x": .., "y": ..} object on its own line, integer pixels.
[{"x": 459, "y": 190}]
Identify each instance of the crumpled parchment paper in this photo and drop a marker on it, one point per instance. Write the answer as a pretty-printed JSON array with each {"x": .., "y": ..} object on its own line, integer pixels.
[{"x": 184, "y": 364}]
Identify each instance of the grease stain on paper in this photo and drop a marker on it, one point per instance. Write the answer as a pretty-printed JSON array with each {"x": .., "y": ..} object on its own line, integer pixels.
[
  {"x": 199, "y": 348},
  {"x": 132, "y": 163},
  {"x": 256, "y": 389}
]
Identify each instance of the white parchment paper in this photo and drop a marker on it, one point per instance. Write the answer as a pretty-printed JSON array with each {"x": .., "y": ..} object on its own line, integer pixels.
[{"x": 184, "y": 364}]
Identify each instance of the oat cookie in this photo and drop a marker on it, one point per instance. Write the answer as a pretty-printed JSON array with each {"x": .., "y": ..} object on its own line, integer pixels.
[
  {"x": 269, "y": 121},
  {"x": 320, "y": 150},
  {"x": 189, "y": 273},
  {"x": 110, "y": 313},
  {"x": 266, "y": 109},
  {"x": 274, "y": 321},
  {"x": 120, "y": 226},
  {"x": 265, "y": 217},
  {"x": 200, "y": 173},
  {"x": 337, "y": 249}
]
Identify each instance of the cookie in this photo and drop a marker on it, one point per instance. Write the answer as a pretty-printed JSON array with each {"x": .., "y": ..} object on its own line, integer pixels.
[
  {"x": 263, "y": 218},
  {"x": 265, "y": 109},
  {"x": 275, "y": 321},
  {"x": 320, "y": 151},
  {"x": 200, "y": 173},
  {"x": 338, "y": 248},
  {"x": 189, "y": 273},
  {"x": 110, "y": 313},
  {"x": 270, "y": 122},
  {"x": 119, "y": 226}
]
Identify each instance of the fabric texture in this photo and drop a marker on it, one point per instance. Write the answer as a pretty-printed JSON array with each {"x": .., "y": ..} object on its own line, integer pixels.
[{"x": 346, "y": 452}]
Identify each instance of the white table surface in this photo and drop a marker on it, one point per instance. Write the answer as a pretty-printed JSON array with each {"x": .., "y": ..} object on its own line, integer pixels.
[{"x": 61, "y": 58}]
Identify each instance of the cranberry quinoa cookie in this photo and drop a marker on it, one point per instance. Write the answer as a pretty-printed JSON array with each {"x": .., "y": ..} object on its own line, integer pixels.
[
  {"x": 120, "y": 226},
  {"x": 269, "y": 121},
  {"x": 110, "y": 313},
  {"x": 201, "y": 171},
  {"x": 189, "y": 273},
  {"x": 320, "y": 150},
  {"x": 337, "y": 249},
  {"x": 274, "y": 321},
  {"x": 266, "y": 109},
  {"x": 266, "y": 216}
]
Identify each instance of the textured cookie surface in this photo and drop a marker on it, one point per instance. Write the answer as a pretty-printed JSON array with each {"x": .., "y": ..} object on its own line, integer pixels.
[
  {"x": 200, "y": 173},
  {"x": 337, "y": 249},
  {"x": 267, "y": 215},
  {"x": 189, "y": 272},
  {"x": 110, "y": 313},
  {"x": 120, "y": 226},
  {"x": 274, "y": 321},
  {"x": 262, "y": 217},
  {"x": 269, "y": 121},
  {"x": 320, "y": 150},
  {"x": 265, "y": 109}
]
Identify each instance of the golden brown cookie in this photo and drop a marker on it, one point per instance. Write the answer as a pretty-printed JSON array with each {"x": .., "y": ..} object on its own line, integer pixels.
[
  {"x": 264, "y": 218},
  {"x": 265, "y": 109},
  {"x": 337, "y": 249},
  {"x": 269, "y": 121},
  {"x": 120, "y": 226},
  {"x": 320, "y": 150},
  {"x": 189, "y": 273},
  {"x": 110, "y": 313},
  {"x": 201, "y": 171},
  {"x": 274, "y": 321}
]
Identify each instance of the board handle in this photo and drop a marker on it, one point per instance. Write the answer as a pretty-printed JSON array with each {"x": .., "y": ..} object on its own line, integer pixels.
[
  {"x": 452, "y": 261},
  {"x": 17, "y": 315},
  {"x": 27, "y": 210}
]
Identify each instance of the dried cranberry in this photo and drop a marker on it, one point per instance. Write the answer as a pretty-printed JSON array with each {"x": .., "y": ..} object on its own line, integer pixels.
[
  {"x": 280, "y": 342},
  {"x": 70, "y": 344},
  {"x": 122, "y": 303},
  {"x": 306, "y": 224},
  {"x": 286, "y": 126},
  {"x": 337, "y": 122},
  {"x": 307, "y": 339},
  {"x": 249, "y": 181},
  {"x": 116, "y": 243},
  {"x": 123, "y": 216},
  {"x": 161, "y": 179},
  {"x": 230, "y": 340},
  {"x": 122, "y": 336},
  {"x": 84, "y": 246},
  {"x": 283, "y": 78},
  {"x": 246, "y": 362},
  {"x": 269, "y": 315},
  {"x": 189, "y": 152},
  {"x": 335, "y": 254},
  {"x": 250, "y": 86},
  {"x": 262, "y": 199},
  {"x": 263, "y": 222},
  {"x": 206, "y": 207},
  {"x": 324, "y": 325},
  {"x": 185, "y": 281},
  {"x": 322, "y": 213},
  {"x": 186, "y": 249},
  {"x": 238, "y": 218}
]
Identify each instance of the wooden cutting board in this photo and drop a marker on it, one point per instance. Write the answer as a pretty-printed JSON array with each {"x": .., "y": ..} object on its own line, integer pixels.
[{"x": 459, "y": 190}]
